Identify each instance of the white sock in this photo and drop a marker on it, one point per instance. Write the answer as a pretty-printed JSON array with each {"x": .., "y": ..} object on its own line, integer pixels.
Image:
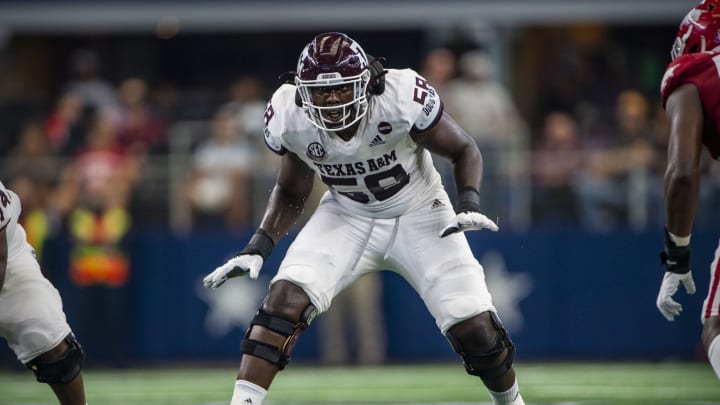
[
  {"x": 247, "y": 393},
  {"x": 509, "y": 397},
  {"x": 714, "y": 355}
]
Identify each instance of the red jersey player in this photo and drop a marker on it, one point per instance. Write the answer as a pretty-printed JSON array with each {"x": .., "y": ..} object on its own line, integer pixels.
[{"x": 690, "y": 93}]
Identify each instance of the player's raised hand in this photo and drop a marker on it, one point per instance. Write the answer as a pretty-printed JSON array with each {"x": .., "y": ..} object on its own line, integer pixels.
[
  {"x": 468, "y": 221},
  {"x": 249, "y": 261},
  {"x": 235, "y": 267}
]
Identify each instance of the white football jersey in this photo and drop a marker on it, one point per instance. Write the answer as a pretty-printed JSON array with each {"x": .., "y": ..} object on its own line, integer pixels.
[
  {"x": 10, "y": 208},
  {"x": 32, "y": 320},
  {"x": 381, "y": 172}
]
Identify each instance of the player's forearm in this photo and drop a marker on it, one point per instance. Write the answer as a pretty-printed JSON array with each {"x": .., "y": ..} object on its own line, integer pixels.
[
  {"x": 468, "y": 169},
  {"x": 282, "y": 212},
  {"x": 682, "y": 188}
]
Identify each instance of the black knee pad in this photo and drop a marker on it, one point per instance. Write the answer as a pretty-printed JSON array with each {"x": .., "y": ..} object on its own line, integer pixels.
[
  {"x": 279, "y": 356},
  {"x": 476, "y": 363},
  {"x": 64, "y": 369}
]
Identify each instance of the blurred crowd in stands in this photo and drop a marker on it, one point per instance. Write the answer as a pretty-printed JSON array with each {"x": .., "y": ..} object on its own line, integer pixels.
[{"x": 131, "y": 152}]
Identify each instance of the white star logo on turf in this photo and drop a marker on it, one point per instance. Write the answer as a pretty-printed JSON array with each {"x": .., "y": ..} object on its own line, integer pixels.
[
  {"x": 507, "y": 289},
  {"x": 232, "y": 305}
]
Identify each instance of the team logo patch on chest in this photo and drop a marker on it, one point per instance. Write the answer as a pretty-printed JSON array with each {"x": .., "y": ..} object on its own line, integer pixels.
[
  {"x": 384, "y": 128},
  {"x": 316, "y": 152}
]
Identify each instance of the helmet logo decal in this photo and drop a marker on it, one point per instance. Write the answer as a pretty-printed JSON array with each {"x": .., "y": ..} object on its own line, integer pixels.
[
  {"x": 384, "y": 128},
  {"x": 331, "y": 48},
  {"x": 316, "y": 152}
]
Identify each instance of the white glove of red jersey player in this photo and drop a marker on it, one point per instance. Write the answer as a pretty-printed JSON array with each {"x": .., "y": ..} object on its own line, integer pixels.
[{"x": 670, "y": 284}]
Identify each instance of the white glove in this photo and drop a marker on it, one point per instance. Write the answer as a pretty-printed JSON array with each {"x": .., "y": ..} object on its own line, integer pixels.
[
  {"x": 468, "y": 221},
  {"x": 671, "y": 281},
  {"x": 237, "y": 266}
]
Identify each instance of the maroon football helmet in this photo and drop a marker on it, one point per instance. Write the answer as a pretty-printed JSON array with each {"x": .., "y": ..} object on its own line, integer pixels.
[
  {"x": 699, "y": 30},
  {"x": 333, "y": 59}
]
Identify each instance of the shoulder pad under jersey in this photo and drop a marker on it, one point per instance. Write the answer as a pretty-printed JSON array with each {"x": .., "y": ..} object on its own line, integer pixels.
[
  {"x": 279, "y": 115},
  {"x": 417, "y": 101}
]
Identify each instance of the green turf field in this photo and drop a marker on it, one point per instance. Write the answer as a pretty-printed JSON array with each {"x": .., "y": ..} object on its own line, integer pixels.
[{"x": 555, "y": 383}]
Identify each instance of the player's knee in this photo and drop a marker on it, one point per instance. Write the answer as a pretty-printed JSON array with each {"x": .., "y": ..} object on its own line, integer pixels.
[
  {"x": 484, "y": 345},
  {"x": 274, "y": 330},
  {"x": 286, "y": 300},
  {"x": 59, "y": 365}
]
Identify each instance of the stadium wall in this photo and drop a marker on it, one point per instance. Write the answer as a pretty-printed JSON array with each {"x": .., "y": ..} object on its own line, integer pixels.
[{"x": 563, "y": 294}]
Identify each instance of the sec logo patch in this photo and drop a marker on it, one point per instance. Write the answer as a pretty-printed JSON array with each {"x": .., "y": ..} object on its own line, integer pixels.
[{"x": 316, "y": 152}]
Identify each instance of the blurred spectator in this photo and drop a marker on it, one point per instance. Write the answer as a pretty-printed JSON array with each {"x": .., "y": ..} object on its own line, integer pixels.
[
  {"x": 613, "y": 181},
  {"x": 217, "y": 192},
  {"x": 247, "y": 97},
  {"x": 143, "y": 133},
  {"x": 65, "y": 125},
  {"x": 486, "y": 110},
  {"x": 140, "y": 129},
  {"x": 32, "y": 157},
  {"x": 438, "y": 67},
  {"x": 555, "y": 160},
  {"x": 481, "y": 104},
  {"x": 165, "y": 98},
  {"x": 100, "y": 267},
  {"x": 31, "y": 171},
  {"x": 86, "y": 82},
  {"x": 101, "y": 178},
  {"x": 102, "y": 162}
]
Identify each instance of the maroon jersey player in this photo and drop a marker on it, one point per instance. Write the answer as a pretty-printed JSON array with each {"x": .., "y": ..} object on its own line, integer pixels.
[{"x": 369, "y": 134}]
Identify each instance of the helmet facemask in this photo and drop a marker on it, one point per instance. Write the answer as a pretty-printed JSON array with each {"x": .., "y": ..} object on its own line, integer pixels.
[{"x": 348, "y": 113}]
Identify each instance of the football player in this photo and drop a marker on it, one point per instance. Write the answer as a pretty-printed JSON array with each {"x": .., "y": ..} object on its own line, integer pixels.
[
  {"x": 368, "y": 134},
  {"x": 31, "y": 313},
  {"x": 690, "y": 93}
]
